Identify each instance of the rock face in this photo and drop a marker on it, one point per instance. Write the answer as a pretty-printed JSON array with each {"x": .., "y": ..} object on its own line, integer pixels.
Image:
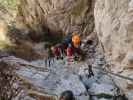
[
  {"x": 51, "y": 80},
  {"x": 57, "y": 15},
  {"x": 42, "y": 81},
  {"x": 4, "y": 39},
  {"x": 113, "y": 22}
]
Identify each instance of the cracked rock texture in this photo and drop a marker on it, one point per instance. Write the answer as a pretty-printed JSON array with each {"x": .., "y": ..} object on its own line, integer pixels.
[
  {"x": 57, "y": 15},
  {"x": 113, "y": 23}
]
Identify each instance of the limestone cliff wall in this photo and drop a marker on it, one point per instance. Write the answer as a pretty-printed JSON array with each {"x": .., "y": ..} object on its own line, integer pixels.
[
  {"x": 113, "y": 21},
  {"x": 114, "y": 25},
  {"x": 57, "y": 15}
]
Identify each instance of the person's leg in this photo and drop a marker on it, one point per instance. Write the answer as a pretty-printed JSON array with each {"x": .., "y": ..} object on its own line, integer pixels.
[
  {"x": 57, "y": 57},
  {"x": 91, "y": 72},
  {"x": 49, "y": 62},
  {"x": 62, "y": 53},
  {"x": 52, "y": 59},
  {"x": 77, "y": 54},
  {"x": 46, "y": 62}
]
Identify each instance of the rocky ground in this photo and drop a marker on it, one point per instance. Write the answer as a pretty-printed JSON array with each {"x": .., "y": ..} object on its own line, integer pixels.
[
  {"x": 113, "y": 27},
  {"x": 46, "y": 83}
]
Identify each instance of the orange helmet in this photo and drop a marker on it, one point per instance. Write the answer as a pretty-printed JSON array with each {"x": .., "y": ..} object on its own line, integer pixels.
[{"x": 76, "y": 39}]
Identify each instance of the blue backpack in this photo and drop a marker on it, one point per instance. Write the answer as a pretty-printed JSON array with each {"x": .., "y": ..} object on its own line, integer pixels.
[{"x": 68, "y": 38}]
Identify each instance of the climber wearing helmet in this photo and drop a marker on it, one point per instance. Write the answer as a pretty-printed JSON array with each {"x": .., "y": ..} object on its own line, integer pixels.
[
  {"x": 67, "y": 95},
  {"x": 76, "y": 40},
  {"x": 76, "y": 45}
]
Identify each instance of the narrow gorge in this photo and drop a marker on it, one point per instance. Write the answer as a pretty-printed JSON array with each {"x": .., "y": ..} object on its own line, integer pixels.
[{"x": 105, "y": 28}]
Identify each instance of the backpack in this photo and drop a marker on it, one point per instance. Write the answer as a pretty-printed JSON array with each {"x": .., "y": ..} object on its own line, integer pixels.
[{"x": 68, "y": 38}]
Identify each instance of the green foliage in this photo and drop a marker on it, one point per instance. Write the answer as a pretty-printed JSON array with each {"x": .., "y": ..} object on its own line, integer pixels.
[{"x": 9, "y": 4}]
